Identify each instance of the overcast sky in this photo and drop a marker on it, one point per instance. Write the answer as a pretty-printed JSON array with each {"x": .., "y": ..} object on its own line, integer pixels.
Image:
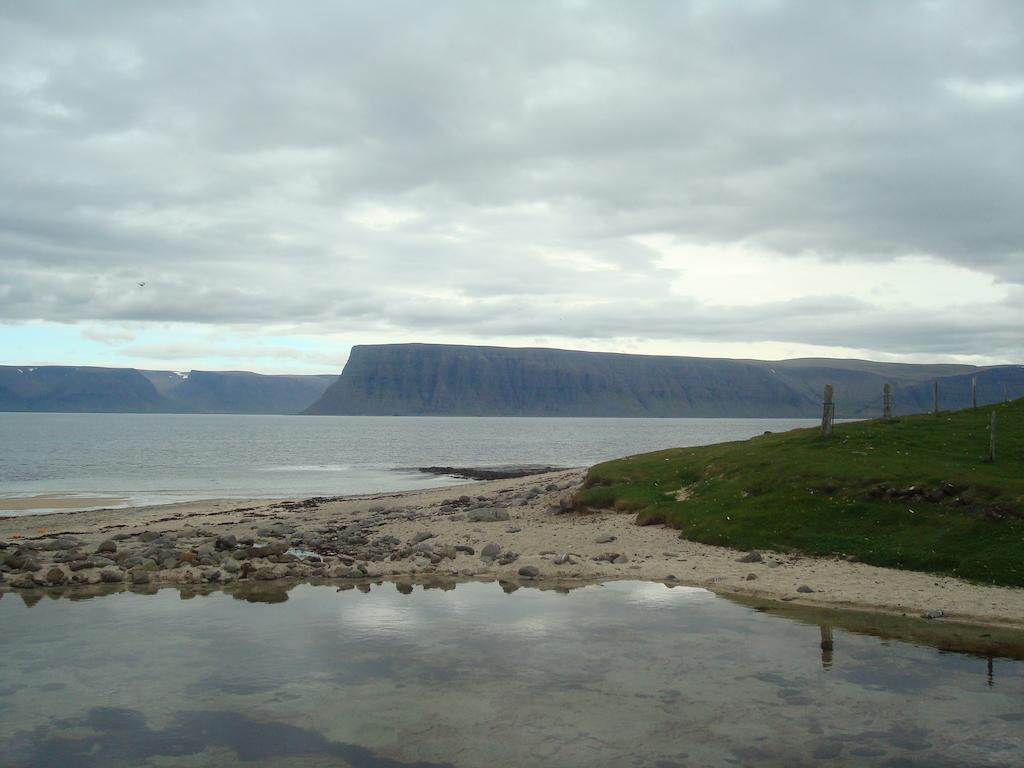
[{"x": 745, "y": 179}]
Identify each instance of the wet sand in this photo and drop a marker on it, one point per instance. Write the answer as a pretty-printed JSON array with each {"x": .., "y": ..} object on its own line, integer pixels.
[
  {"x": 512, "y": 530},
  {"x": 47, "y": 501}
]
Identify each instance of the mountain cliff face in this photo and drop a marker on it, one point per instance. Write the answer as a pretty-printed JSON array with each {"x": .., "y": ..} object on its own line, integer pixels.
[
  {"x": 126, "y": 390},
  {"x": 433, "y": 379}
]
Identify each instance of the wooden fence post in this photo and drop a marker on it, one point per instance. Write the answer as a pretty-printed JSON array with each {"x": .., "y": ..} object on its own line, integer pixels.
[
  {"x": 828, "y": 411},
  {"x": 935, "y": 398},
  {"x": 974, "y": 391},
  {"x": 992, "y": 438},
  {"x": 887, "y": 401}
]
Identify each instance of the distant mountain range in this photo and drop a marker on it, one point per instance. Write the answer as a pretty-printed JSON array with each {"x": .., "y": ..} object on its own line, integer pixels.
[
  {"x": 447, "y": 380},
  {"x": 127, "y": 390}
]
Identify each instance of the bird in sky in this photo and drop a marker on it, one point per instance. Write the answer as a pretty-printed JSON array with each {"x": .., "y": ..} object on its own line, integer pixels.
[{"x": 142, "y": 285}]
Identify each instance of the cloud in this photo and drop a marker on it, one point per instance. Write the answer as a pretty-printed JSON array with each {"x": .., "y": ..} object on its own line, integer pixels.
[{"x": 591, "y": 171}]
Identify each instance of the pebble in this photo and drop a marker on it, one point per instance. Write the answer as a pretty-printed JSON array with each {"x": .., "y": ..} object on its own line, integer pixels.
[
  {"x": 751, "y": 557},
  {"x": 605, "y": 539},
  {"x": 804, "y": 589},
  {"x": 529, "y": 571}
]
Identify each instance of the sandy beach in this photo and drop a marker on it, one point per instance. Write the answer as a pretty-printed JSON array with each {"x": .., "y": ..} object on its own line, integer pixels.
[{"x": 514, "y": 530}]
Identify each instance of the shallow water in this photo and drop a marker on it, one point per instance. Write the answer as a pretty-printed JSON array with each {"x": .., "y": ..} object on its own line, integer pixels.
[
  {"x": 155, "y": 459},
  {"x": 626, "y": 673}
]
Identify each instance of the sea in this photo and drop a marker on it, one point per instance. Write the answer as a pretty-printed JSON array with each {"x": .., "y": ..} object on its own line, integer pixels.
[{"x": 158, "y": 459}]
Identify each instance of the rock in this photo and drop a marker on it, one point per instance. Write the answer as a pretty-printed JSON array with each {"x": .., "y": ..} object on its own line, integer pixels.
[
  {"x": 804, "y": 589},
  {"x": 751, "y": 557},
  {"x": 529, "y": 571},
  {"x": 21, "y": 561},
  {"x": 465, "y": 548},
  {"x": 490, "y": 551},
  {"x": 507, "y": 558},
  {"x": 225, "y": 542},
  {"x": 346, "y": 572},
  {"x": 266, "y": 550},
  {"x": 111, "y": 576},
  {"x": 264, "y": 574},
  {"x": 751, "y": 577},
  {"x": 605, "y": 539},
  {"x": 24, "y": 581},
  {"x": 107, "y": 546},
  {"x": 148, "y": 536},
  {"x": 422, "y": 536},
  {"x": 140, "y": 576},
  {"x": 671, "y": 577},
  {"x": 933, "y": 614},
  {"x": 69, "y": 556},
  {"x": 55, "y": 576},
  {"x": 487, "y": 515}
]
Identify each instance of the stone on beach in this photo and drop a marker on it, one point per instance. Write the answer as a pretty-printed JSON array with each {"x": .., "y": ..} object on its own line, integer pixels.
[
  {"x": 111, "y": 576},
  {"x": 487, "y": 515}
]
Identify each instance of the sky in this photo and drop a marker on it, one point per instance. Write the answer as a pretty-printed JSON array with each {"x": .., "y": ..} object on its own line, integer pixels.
[{"x": 256, "y": 185}]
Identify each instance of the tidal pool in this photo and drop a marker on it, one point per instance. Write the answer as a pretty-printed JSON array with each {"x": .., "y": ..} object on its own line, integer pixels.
[{"x": 621, "y": 674}]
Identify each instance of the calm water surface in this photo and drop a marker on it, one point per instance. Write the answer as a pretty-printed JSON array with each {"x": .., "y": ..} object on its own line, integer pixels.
[
  {"x": 625, "y": 674},
  {"x": 162, "y": 458}
]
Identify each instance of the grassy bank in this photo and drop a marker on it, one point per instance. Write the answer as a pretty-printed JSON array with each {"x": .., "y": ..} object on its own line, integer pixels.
[{"x": 917, "y": 492}]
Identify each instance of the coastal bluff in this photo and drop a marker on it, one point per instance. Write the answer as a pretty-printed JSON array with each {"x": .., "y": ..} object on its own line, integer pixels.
[{"x": 453, "y": 380}]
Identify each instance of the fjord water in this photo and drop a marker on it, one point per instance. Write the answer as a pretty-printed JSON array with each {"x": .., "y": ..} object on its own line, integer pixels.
[
  {"x": 151, "y": 459},
  {"x": 622, "y": 674}
]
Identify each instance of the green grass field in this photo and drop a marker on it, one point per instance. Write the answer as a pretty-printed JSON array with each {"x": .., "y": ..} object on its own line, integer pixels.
[{"x": 918, "y": 492}]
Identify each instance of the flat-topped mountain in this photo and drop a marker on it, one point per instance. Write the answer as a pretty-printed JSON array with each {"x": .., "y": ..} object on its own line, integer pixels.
[
  {"x": 450, "y": 380},
  {"x": 127, "y": 390}
]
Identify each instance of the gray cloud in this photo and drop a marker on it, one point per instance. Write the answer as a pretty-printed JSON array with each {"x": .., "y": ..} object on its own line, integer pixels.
[{"x": 252, "y": 163}]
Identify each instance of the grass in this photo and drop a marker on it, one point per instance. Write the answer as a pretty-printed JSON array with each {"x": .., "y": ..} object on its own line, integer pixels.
[{"x": 917, "y": 493}]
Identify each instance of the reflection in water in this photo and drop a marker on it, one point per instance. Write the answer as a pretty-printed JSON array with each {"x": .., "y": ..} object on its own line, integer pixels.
[
  {"x": 111, "y": 738},
  {"x": 618, "y": 674},
  {"x": 826, "y": 646}
]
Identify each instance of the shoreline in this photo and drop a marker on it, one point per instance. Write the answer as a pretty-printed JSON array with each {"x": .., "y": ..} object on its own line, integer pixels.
[{"x": 512, "y": 530}]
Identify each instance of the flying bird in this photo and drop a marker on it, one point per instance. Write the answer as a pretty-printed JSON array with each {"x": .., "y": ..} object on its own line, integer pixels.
[{"x": 142, "y": 285}]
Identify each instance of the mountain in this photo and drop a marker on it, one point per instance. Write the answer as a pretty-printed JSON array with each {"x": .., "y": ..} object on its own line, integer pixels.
[
  {"x": 238, "y": 391},
  {"x": 77, "y": 388},
  {"x": 127, "y": 390},
  {"x": 448, "y": 380}
]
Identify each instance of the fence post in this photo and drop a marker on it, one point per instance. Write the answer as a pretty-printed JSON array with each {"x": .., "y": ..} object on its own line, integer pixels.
[
  {"x": 974, "y": 391},
  {"x": 992, "y": 438},
  {"x": 887, "y": 401},
  {"x": 827, "y": 412},
  {"x": 935, "y": 398}
]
